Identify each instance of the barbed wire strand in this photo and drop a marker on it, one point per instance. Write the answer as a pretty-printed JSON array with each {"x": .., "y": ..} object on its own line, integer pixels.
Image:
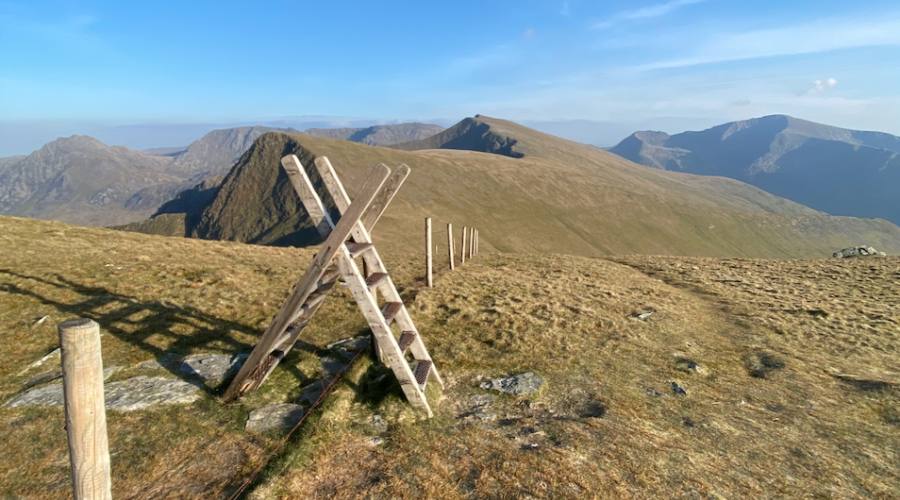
[{"x": 325, "y": 392}]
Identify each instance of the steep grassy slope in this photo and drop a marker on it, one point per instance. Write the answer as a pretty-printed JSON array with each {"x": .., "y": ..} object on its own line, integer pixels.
[
  {"x": 835, "y": 170},
  {"x": 789, "y": 367},
  {"x": 557, "y": 196}
]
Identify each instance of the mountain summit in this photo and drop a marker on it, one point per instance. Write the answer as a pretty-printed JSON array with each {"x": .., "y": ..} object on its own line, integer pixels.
[{"x": 838, "y": 171}]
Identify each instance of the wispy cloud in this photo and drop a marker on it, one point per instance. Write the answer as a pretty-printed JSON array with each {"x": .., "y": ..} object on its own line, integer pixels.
[
  {"x": 564, "y": 10},
  {"x": 820, "y": 86},
  {"x": 810, "y": 38},
  {"x": 651, "y": 11}
]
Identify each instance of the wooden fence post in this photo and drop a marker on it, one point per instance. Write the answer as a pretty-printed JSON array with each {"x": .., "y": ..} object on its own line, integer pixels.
[
  {"x": 476, "y": 241},
  {"x": 471, "y": 241},
  {"x": 462, "y": 247},
  {"x": 428, "y": 281},
  {"x": 450, "y": 243},
  {"x": 82, "y": 366}
]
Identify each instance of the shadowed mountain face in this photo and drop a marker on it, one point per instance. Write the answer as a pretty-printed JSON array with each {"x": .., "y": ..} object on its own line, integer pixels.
[
  {"x": 537, "y": 193},
  {"x": 838, "y": 171},
  {"x": 379, "y": 135}
]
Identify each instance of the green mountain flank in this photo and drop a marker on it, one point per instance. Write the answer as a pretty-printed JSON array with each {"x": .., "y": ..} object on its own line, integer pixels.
[
  {"x": 528, "y": 192},
  {"x": 379, "y": 135},
  {"x": 834, "y": 170}
]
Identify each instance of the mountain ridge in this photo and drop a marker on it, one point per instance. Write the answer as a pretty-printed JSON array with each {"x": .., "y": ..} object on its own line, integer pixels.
[
  {"x": 557, "y": 197},
  {"x": 834, "y": 170}
]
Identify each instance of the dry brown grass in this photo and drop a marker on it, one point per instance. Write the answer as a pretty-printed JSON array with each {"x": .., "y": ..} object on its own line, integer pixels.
[{"x": 789, "y": 403}]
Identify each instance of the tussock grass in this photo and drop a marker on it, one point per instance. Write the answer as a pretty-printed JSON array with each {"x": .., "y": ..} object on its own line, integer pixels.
[{"x": 821, "y": 423}]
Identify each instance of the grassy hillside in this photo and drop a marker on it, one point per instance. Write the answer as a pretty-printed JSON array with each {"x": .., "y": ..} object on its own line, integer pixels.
[
  {"x": 557, "y": 196},
  {"x": 790, "y": 370}
]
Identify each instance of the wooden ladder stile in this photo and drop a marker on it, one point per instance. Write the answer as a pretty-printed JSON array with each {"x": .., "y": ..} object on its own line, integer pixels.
[
  {"x": 333, "y": 244},
  {"x": 344, "y": 242}
]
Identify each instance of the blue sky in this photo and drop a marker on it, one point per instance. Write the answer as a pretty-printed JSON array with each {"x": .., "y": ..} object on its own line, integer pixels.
[{"x": 158, "y": 73}]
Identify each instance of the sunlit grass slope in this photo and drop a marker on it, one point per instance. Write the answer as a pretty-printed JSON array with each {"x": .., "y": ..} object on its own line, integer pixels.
[{"x": 790, "y": 370}]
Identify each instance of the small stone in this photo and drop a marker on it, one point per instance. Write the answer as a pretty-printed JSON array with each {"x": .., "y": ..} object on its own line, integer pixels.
[
  {"x": 695, "y": 367},
  {"x": 376, "y": 441},
  {"x": 524, "y": 383},
  {"x": 379, "y": 423},
  {"x": 643, "y": 316},
  {"x": 212, "y": 366},
  {"x": 678, "y": 390},
  {"x": 267, "y": 418},
  {"x": 653, "y": 392},
  {"x": 485, "y": 416}
]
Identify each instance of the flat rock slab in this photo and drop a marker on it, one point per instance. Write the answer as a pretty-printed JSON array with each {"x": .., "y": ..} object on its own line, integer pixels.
[
  {"x": 131, "y": 394},
  {"x": 311, "y": 393},
  {"x": 331, "y": 366},
  {"x": 159, "y": 363},
  {"x": 273, "y": 417},
  {"x": 142, "y": 392},
  {"x": 524, "y": 383},
  {"x": 52, "y": 375},
  {"x": 212, "y": 366}
]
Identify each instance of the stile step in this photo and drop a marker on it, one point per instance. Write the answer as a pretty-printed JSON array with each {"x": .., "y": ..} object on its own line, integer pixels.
[
  {"x": 357, "y": 249},
  {"x": 423, "y": 368},
  {"x": 406, "y": 340},
  {"x": 330, "y": 273},
  {"x": 375, "y": 279},
  {"x": 390, "y": 311},
  {"x": 315, "y": 299}
]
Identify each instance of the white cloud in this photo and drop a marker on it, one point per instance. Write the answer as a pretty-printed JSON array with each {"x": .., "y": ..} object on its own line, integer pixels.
[
  {"x": 564, "y": 10},
  {"x": 820, "y": 86},
  {"x": 644, "y": 13},
  {"x": 528, "y": 33},
  {"x": 820, "y": 36}
]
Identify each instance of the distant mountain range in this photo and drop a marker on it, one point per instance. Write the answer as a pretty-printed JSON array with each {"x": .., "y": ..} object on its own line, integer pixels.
[
  {"x": 81, "y": 180},
  {"x": 835, "y": 170},
  {"x": 525, "y": 191},
  {"x": 379, "y": 135}
]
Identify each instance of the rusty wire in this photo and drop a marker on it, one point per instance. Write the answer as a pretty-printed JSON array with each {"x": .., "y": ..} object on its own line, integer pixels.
[{"x": 325, "y": 392}]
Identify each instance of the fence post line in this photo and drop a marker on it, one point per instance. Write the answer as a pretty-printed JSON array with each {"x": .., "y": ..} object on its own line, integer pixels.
[
  {"x": 462, "y": 247},
  {"x": 450, "y": 243},
  {"x": 428, "y": 247},
  {"x": 82, "y": 366}
]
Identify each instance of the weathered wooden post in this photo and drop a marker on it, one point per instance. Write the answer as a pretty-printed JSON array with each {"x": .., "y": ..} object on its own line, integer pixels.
[
  {"x": 82, "y": 366},
  {"x": 428, "y": 281},
  {"x": 471, "y": 241},
  {"x": 450, "y": 243},
  {"x": 462, "y": 247}
]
